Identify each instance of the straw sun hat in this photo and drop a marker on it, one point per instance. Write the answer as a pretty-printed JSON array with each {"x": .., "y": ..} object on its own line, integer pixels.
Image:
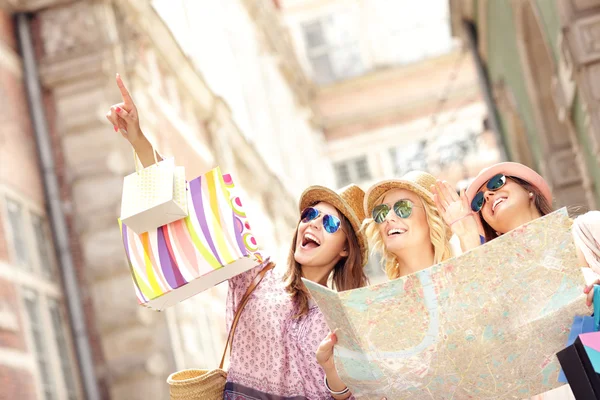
[
  {"x": 348, "y": 201},
  {"x": 416, "y": 181}
]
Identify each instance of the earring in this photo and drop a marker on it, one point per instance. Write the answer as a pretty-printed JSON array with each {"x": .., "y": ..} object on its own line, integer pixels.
[{"x": 531, "y": 194}]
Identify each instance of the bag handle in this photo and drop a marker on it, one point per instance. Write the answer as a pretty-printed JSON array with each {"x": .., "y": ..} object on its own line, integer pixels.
[
  {"x": 136, "y": 159},
  {"x": 238, "y": 313}
]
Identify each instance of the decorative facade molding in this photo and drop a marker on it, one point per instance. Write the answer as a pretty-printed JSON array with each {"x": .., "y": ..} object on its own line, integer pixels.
[
  {"x": 580, "y": 20},
  {"x": 559, "y": 161}
]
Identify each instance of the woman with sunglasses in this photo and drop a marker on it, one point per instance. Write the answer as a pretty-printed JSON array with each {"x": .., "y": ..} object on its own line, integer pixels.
[
  {"x": 405, "y": 225},
  {"x": 501, "y": 198},
  {"x": 273, "y": 352}
]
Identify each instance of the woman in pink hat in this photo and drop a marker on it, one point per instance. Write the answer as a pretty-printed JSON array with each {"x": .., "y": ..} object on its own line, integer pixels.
[
  {"x": 501, "y": 198},
  {"x": 278, "y": 332}
]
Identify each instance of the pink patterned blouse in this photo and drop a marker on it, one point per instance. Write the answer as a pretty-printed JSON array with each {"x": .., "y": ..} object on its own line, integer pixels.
[{"x": 273, "y": 354}]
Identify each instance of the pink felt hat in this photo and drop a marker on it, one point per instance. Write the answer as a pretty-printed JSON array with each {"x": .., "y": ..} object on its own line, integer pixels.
[{"x": 509, "y": 169}]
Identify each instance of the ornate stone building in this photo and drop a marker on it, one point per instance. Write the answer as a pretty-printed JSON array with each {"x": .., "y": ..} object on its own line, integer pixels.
[
  {"x": 395, "y": 91},
  {"x": 540, "y": 63},
  {"x": 61, "y": 170}
]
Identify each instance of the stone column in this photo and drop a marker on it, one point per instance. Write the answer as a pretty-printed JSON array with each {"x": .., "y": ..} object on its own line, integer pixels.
[{"x": 580, "y": 20}]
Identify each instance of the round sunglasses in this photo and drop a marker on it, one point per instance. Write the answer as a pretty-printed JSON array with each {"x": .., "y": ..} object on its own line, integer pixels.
[
  {"x": 402, "y": 208},
  {"x": 331, "y": 223},
  {"x": 495, "y": 183}
]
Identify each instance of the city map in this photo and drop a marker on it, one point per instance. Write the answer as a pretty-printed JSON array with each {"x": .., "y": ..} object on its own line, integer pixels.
[{"x": 485, "y": 325}]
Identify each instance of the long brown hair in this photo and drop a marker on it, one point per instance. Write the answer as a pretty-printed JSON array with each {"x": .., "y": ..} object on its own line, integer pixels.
[
  {"x": 541, "y": 204},
  {"x": 348, "y": 273}
]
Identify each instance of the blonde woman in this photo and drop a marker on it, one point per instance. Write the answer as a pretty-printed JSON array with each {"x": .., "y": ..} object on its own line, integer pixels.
[{"x": 406, "y": 228}]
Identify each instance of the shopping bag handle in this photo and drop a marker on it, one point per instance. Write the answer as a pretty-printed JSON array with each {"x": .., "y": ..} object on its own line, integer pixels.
[
  {"x": 136, "y": 159},
  {"x": 238, "y": 313}
]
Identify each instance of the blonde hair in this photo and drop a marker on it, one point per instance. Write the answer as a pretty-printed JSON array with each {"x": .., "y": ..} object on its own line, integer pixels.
[{"x": 439, "y": 234}]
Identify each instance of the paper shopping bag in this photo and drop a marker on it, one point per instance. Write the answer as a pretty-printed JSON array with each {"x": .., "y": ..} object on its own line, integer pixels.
[
  {"x": 154, "y": 196},
  {"x": 580, "y": 362},
  {"x": 214, "y": 243},
  {"x": 583, "y": 325}
]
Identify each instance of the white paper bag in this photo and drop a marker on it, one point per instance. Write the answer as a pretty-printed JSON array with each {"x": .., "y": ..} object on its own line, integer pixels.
[{"x": 154, "y": 196}]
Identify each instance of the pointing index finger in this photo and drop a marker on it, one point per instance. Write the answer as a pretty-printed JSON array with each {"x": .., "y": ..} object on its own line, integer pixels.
[{"x": 127, "y": 100}]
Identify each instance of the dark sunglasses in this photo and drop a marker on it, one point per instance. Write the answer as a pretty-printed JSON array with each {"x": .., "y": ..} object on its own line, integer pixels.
[
  {"x": 331, "y": 223},
  {"x": 493, "y": 184},
  {"x": 402, "y": 208}
]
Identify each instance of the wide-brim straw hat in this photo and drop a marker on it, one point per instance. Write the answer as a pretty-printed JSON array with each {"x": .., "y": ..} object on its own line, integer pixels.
[
  {"x": 348, "y": 201},
  {"x": 418, "y": 182}
]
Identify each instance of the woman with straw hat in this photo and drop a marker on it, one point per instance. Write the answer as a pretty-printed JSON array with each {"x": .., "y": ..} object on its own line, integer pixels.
[
  {"x": 405, "y": 225},
  {"x": 406, "y": 228},
  {"x": 273, "y": 351}
]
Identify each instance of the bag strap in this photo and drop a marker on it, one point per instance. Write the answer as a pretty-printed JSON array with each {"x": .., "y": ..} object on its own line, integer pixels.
[
  {"x": 238, "y": 313},
  {"x": 136, "y": 159}
]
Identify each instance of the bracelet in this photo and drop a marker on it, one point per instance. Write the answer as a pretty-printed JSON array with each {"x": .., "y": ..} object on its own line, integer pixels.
[
  {"x": 463, "y": 217},
  {"x": 332, "y": 392}
]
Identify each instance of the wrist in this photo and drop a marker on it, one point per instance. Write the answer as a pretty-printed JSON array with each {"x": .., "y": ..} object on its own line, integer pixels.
[
  {"x": 139, "y": 141},
  {"x": 463, "y": 218},
  {"x": 329, "y": 369},
  {"x": 336, "y": 391}
]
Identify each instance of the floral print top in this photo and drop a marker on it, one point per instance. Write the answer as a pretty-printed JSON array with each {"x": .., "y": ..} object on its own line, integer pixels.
[{"x": 273, "y": 353}]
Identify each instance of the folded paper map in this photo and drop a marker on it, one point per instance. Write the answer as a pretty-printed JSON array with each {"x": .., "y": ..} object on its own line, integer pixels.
[{"x": 485, "y": 325}]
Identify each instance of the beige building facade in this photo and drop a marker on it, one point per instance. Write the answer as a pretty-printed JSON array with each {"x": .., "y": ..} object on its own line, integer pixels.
[
  {"x": 262, "y": 129},
  {"x": 395, "y": 91}
]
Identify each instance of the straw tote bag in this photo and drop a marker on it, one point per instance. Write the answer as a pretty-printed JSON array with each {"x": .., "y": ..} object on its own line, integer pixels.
[{"x": 196, "y": 384}]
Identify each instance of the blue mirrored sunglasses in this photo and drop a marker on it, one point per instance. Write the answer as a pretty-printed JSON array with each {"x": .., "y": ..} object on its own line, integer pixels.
[
  {"x": 495, "y": 183},
  {"x": 331, "y": 223}
]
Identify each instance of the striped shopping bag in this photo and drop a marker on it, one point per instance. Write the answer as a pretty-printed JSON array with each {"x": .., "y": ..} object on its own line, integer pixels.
[{"x": 183, "y": 258}]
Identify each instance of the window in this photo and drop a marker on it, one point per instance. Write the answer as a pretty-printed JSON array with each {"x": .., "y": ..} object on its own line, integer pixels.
[
  {"x": 60, "y": 335},
  {"x": 333, "y": 48},
  {"x": 48, "y": 334},
  {"x": 362, "y": 169},
  {"x": 43, "y": 242},
  {"x": 15, "y": 218},
  {"x": 354, "y": 170},
  {"x": 36, "y": 327},
  {"x": 342, "y": 174}
]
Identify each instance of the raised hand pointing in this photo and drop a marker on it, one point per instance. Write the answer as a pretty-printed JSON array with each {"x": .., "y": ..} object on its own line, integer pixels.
[
  {"x": 125, "y": 119},
  {"x": 124, "y": 116}
]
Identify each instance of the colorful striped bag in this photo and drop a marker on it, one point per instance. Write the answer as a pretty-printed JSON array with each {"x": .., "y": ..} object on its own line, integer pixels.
[{"x": 181, "y": 259}]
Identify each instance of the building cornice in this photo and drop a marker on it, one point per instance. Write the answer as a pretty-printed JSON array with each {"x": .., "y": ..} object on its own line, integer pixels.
[
  {"x": 401, "y": 113},
  {"x": 393, "y": 73}
]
